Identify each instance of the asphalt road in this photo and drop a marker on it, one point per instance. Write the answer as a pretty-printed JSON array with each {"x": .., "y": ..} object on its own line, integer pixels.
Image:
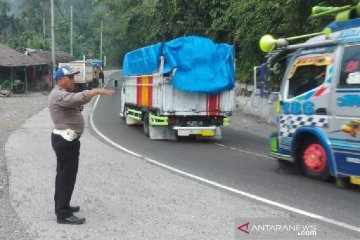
[{"x": 238, "y": 161}]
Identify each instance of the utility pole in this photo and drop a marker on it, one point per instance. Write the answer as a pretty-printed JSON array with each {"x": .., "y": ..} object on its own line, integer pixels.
[
  {"x": 101, "y": 39},
  {"x": 52, "y": 42},
  {"x": 71, "y": 30},
  {"x": 44, "y": 23}
]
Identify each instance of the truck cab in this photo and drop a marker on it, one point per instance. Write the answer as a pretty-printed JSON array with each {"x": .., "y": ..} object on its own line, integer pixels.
[{"x": 319, "y": 106}]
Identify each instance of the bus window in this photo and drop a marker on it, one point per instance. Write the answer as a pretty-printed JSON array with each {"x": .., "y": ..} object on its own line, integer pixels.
[{"x": 350, "y": 67}]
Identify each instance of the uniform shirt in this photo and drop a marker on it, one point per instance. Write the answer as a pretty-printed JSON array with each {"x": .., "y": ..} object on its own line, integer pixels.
[{"x": 64, "y": 108}]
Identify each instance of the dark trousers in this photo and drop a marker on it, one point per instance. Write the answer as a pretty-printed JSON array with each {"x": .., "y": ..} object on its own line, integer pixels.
[{"x": 67, "y": 155}]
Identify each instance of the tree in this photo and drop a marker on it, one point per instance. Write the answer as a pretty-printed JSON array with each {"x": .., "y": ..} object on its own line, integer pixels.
[
  {"x": 35, "y": 16},
  {"x": 5, "y": 20},
  {"x": 131, "y": 24},
  {"x": 30, "y": 39}
]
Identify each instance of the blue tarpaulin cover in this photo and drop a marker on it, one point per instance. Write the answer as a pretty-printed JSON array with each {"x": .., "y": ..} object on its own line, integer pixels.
[
  {"x": 201, "y": 65},
  {"x": 97, "y": 62}
]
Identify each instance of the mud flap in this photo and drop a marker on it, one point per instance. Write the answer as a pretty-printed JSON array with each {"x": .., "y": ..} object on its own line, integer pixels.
[
  {"x": 131, "y": 121},
  {"x": 161, "y": 133}
]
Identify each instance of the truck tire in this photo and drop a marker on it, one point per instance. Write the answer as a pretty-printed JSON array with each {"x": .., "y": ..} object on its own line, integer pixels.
[
  {"x": 314, "y": 160},
  {"x": 89, "y": 85},
  {"x": 95, "y": 82},
  {"x": 123, "y": 116},
  {"x": 126, "y": 118},
  {"x": 146, "y": 124},
  {"x": 79, "y": 87}
]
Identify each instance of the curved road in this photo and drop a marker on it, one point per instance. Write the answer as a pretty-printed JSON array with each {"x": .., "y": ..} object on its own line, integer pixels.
[{"x": 248, "y": 170}]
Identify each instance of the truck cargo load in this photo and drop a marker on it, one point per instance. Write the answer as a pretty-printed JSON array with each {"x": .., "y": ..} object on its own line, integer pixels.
[
  {"x": 84, "y": 79},
  {"x": 179, "y": 88}
]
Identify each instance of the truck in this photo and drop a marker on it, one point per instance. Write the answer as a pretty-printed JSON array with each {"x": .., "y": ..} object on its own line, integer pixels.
[
  {"x": 98, "y": 73},
  {"x": 319, "y": 100},
  {"x": 180, "y": 88},
  {"x": 83, "y": 80}
]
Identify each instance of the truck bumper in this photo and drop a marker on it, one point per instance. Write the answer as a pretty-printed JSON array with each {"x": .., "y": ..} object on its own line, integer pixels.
[
  {"x": 275, "y": 151},
  {"x": 202, "y": 131},
  {"x": 355, "y": 180}
]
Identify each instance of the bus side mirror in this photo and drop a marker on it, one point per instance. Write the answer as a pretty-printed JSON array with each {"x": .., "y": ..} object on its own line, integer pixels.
[{"x": 276, "y": 69}]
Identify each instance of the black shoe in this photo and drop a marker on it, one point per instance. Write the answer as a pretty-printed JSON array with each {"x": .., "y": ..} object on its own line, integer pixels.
[
  {"x": 75, "y": 208},
  {"x": 71, "y": 220}
]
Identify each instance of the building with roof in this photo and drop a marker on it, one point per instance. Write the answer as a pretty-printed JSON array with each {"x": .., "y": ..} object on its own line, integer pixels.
[{"x": 28, "y": 68}]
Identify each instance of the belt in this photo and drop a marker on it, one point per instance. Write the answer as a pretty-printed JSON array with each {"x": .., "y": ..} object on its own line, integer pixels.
[{"x": 67, "y": 134}]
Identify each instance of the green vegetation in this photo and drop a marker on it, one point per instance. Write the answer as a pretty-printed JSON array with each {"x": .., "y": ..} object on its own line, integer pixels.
[
  {"x": 130, "y": 24},
  {"x": 5, "y": 85}
]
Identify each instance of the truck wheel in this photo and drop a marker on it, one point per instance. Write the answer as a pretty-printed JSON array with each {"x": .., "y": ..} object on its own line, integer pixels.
[
  {"x": 146, "y": 125},
  {"x": 314, "y": 160},
  {"x": 80, "y": 87},
  {"x": 94, "y": 83},
  {"x": 123, "y": 116},
  {"x": 89, "y": 85}
]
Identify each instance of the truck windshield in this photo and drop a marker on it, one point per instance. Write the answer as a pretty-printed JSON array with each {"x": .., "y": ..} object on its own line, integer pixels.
[{"x": 306, "y": 78}]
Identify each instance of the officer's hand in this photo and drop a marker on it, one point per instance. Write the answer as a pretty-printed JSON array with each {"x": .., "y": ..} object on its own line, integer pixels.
[
  {"x": 99, "y": 91},
  {"x": 107, "y": 92}
]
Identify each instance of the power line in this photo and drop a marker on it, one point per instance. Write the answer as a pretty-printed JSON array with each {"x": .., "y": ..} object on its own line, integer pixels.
[{"x": 61, "y": 13}]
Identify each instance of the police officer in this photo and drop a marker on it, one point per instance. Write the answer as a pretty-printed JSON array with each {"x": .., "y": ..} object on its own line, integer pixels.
[{"x": 65, "y": 110}]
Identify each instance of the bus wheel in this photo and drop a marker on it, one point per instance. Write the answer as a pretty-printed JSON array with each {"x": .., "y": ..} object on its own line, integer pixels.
[
  {"x": 146, "y": 125},
  {"x": 315, "y": 161}
]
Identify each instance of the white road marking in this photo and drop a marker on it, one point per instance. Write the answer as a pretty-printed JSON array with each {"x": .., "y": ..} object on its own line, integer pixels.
[
  {"x": 218, "y": 185},
  {"x": 243, "y": 151},
  {"x": 102, "y": 135}
]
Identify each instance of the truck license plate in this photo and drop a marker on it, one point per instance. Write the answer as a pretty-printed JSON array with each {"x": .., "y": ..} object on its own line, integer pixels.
[{"x": 194, "y": 123}]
